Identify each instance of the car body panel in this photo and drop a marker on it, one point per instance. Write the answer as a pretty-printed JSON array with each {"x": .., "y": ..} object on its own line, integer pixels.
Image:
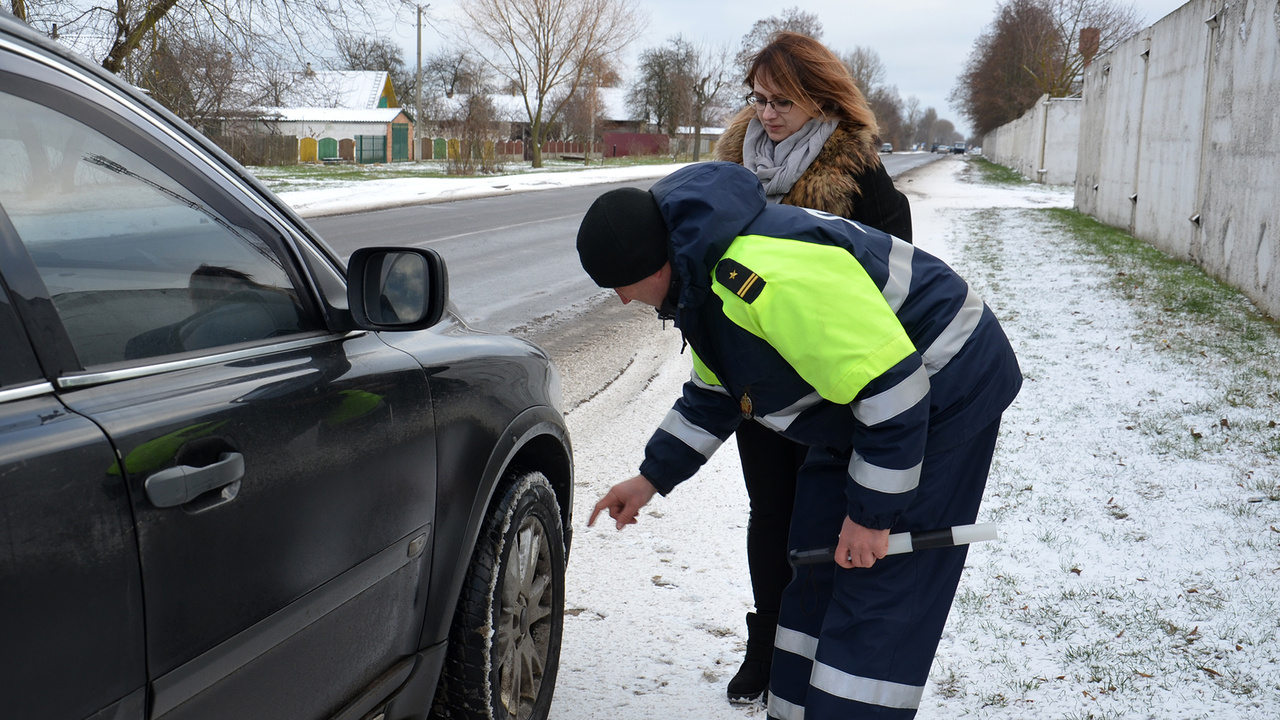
[
  {"x": 466, "y": 376},
  {"x": 314, "y": 574},
  {"x": 338, "y": 447},
  {"x": 73, "y": 583}
]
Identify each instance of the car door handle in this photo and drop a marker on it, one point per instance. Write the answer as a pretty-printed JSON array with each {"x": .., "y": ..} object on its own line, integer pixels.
[{"x": 184, "y": 483}]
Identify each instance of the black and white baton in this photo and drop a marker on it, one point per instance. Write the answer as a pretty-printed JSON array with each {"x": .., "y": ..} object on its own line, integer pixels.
[{"x": 909, "y": 542}]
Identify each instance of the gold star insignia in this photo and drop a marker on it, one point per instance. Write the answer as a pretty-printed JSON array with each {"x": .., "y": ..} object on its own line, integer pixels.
[{"x": 733, "y": 274}]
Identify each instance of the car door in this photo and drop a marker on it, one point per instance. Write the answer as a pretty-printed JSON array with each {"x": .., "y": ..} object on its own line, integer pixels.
[
  {"x": 70, "y": 591},
  {"x": 280, "y": 476}
]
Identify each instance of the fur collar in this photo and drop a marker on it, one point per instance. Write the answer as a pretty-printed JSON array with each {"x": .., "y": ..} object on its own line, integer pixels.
[{"x": 831, "y": 182}]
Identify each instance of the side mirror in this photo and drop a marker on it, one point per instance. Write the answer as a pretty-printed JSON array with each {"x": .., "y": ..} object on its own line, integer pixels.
[{"x": 397, "y": 288}]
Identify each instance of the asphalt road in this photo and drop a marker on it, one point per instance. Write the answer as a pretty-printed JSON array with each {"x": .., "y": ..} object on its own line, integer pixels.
[{"x": 511, "y": 258}]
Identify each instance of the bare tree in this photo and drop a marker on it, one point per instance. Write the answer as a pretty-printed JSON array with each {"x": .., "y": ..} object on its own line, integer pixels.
[
  {"x": 664, "y": 89},
  {"x": 582, "y": 113},
  {"x": 865, "y": 67},
  {"x": 996, "y": 86},
  {"x": 196, "y": 77},
  {"x": 711, "y": 79},
  {"x": 793, "y": 19},
  {"x": 887, "y": 106},
  {"x": 544, "y": 48},
  {"x": 925, "y": 129},
  {"x": 476, "y": 130},
  {"x": 1061, "y": 72},
  {"x": 1032, "y": 48},
  {"x": 911, "y": 116},
  {"x": 361, "y": 52},
  {"x": 19, "y": 9},
  {"x": 269, "y": 83},
  {"x": 454, "y": 70},
  {"x": 132, "y": 27}
]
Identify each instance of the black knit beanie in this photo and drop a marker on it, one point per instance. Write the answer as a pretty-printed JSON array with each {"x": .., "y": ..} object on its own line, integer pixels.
[{"x": 622, "y": 239}]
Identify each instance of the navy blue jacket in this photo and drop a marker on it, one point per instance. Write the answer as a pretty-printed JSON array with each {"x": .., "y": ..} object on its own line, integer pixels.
[{"x": 832, "y": 333}]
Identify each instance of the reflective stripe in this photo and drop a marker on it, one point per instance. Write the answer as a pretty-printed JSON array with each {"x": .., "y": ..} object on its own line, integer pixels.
[
  {"x": 955, "y": 336},
  {"x": 782, "y": 419},
  {"x": 865, "y": 690},
  {"x": 701, "y": 441},
  {"x": 783, "y": 710},
  {"x": 894, "y": 401},
  {"x": 898, "y": 285},
  {"x": 824, "y": 215},
  {"x": 796, "y": 642},
  {"x": 874, "y": 477},
  {"x": 696, "y": 379}
]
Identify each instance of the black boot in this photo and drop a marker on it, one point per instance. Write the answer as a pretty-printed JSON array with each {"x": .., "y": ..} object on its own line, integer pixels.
[{"x": 753, "y": 677}]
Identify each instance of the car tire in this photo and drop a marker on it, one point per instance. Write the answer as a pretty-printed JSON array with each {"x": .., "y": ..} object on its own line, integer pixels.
[{"x": 504, "y": 645}]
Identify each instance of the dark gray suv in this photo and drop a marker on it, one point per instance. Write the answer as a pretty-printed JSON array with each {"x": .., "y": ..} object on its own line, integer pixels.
[{"x": 239, "y": 479}]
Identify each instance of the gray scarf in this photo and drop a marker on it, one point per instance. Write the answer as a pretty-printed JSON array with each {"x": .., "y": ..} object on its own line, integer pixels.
[{"x": 779, "y": 165}]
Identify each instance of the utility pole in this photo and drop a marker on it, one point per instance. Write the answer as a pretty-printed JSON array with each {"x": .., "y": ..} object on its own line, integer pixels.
[
  {"x": 417, "y": 125},
  {"x": 591, "y": 137}
]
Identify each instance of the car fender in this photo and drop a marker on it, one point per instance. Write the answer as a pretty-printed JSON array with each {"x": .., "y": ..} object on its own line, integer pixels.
[{"x": 536, "y": 439}]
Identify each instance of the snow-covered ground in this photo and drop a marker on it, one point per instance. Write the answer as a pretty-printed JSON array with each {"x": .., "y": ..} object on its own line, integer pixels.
[
  {"x": 336, "y": 198},
  {"x": 1135, "y": 484},
  {"x": 1138, "y": 571}
]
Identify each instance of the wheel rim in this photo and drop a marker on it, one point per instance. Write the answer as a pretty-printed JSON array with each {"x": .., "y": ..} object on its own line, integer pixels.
[{"x": 524, "y": 623}]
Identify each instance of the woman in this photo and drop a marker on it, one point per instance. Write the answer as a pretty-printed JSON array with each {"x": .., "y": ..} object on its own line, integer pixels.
[{"x": 809, "y": 137}]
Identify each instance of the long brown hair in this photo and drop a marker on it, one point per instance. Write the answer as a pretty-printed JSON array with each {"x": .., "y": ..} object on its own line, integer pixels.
[{"x": 806, "y": 72}]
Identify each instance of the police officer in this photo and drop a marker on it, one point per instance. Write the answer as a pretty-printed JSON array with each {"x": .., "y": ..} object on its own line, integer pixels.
[{"x": 874, "y": 354}]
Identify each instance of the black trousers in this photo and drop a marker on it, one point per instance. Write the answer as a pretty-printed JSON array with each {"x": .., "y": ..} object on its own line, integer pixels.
[{"x": 769, "y": 466}]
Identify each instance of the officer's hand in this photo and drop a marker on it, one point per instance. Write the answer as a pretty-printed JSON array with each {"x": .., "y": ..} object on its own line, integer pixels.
[
  {"x": 624, "y": 500},
  {"x": 860, "y": 547}
]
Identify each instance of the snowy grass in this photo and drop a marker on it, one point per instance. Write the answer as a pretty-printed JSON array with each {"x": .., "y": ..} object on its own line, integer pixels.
[
  {"x": 1136, "y": 484},
  {"x": 990, "y": 173}
]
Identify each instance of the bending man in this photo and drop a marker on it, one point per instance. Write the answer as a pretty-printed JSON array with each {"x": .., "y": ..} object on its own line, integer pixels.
[{"x": 872, "y": 353}]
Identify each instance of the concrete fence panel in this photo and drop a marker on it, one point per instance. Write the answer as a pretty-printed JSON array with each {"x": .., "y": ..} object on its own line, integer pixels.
[
  {"x": 1180, "y": 141},
  {"x": 1043, "y": 144}
]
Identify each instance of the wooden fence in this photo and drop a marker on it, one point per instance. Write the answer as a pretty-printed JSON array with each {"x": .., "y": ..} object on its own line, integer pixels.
[
  {"x": 451, "y": 149},
  {"x": 290, "y": 150},
  {"x": 260, "y": 149}
]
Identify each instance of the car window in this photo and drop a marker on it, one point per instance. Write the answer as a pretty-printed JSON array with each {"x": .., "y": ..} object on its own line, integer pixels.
[
  {"x": 137, "y": 265},
  {"x": 17, "y": 363}
]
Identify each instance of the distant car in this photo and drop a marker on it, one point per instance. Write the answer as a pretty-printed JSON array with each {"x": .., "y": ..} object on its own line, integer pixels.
[
  {"x": 886, "y": 148},
  {"x": 240, "y": 478},
  {"x": 944, "y": 149}
]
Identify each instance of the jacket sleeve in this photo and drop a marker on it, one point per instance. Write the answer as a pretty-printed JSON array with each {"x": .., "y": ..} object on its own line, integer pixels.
[
  {"x": 890, "y": 430},
  {"x": 695, "y": 427},
  {"x": 822, "y": 312},
  {"x": 882, "y": 206}
]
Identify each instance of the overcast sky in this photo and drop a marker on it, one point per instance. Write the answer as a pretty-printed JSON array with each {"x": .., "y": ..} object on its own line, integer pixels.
[{"x": 923, "y": 43}]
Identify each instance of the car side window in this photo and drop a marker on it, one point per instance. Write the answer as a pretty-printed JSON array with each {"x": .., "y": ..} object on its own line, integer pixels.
[
  {"x": 17, "y": 362},
  {"x": 137, "y": 265}
]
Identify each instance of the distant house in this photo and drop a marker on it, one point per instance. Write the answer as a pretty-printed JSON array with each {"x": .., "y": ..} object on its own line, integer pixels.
[
  {"x": 350, "y": 89},
  {"x": 351, "y": 115}
]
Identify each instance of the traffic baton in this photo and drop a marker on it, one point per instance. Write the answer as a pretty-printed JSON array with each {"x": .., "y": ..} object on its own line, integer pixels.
[{"x": 909, "y": 542}]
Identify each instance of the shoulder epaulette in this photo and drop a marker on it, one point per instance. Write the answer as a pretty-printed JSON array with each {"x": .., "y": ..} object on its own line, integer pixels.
[{"x": 739, "y": 280}]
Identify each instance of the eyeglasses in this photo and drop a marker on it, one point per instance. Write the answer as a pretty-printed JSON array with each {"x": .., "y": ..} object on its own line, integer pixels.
[{"x": 782, "y": 107}]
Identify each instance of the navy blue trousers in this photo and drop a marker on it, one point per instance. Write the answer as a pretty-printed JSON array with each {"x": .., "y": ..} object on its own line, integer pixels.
[{"x": 859, "y": 643}]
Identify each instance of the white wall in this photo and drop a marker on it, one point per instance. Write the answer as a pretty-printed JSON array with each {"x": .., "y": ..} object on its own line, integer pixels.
[
  {"x": 1179, "y": 125},
  {"x": 1042, "y": 145}
]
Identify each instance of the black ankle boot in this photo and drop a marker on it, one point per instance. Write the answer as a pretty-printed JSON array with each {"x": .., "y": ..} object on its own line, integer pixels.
[{"x": 752, "y": 678}]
